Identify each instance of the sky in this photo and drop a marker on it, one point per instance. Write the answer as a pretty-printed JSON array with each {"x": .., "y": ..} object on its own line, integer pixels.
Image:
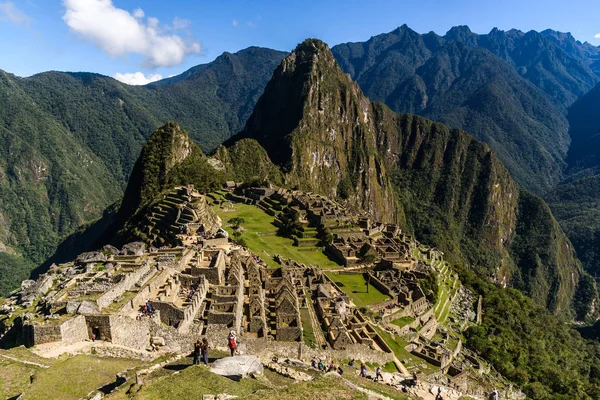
[{"x": 138, "y": 41}]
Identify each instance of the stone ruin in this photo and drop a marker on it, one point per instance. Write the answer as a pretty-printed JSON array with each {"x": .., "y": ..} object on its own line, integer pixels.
[{"x": 171, "y": 295}]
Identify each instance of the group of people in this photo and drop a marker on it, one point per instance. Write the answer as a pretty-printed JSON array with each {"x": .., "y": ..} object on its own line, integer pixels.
[
  {"x": 333, "y": 366},
  {"x": 201, "y": 351},
  {"x": 147, "y": 311}
]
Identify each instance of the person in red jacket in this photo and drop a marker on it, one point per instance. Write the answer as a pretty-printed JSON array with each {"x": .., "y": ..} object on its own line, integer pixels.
[{"x": 232, "y": 343}]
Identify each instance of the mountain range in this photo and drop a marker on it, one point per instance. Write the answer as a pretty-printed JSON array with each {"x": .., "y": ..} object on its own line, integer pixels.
[{"x": 69, "y": 141}]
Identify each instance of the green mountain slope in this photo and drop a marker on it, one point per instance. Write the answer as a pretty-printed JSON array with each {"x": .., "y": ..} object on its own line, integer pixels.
[
  {"x": 50, "y": 183},
  {"x": 440, "y": 183},
  {"x": 69, "y": 141},
  {"x": 500, "y": 87},
  {"x": 576, "y": 201}
]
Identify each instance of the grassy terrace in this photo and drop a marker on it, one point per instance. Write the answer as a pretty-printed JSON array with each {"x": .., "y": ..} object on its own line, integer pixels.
[
  {"x": 397, "y": 345},
  {"x": 74, "y": 378},
  {"x": 401, "y": 322},
  {"x": 261, "y": 237},
  {"x": 308, "y": 334},
  {"x": 354, "y": 285}
]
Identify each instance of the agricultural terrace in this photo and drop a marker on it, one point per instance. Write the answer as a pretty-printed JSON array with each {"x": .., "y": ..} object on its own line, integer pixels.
[
  {"x": 261, "y": 237},
  {"x": 354, "y": 285}
]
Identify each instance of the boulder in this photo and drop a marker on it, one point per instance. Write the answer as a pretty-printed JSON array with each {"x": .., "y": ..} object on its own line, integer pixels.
[
  {"x": 91, "y": 257},
  {"x": 112, "y": 250},
  {"x": 27, "y": 284},
  {"x": 134, "y": 249},
  {"x": 237, "y": 367},
  {"x": 44, "y": 285},
  {"x": 87, "y": 307},
  {"x": 158, "y": 340},
  {"x": 72, "y": 306},
  {"x": 97, "y": 396}
]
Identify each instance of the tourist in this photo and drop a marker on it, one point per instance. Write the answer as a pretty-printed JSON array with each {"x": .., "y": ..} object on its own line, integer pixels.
[
  {"x": 331, "y": 367},
  {"x": 378, "y": 374},
  {"x": 494, "y": 395},
  {"x": 321, "y": 365},
  {"x": 153, "y": 345},
  {"x": 313, "y": 363},
  {"x": 415, "y": 379},
  {"x": 197, "y": 350},
  {"x": 340, "y": 370},
  {"x": 351, "y": 363},
  {"x": 363, "y": 370},
  {"x": 204, "y": 350},
  {"x": 232, "y": 343}
]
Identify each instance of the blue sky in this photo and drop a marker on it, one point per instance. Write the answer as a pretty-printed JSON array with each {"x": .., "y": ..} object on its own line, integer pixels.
[{"x": 148, "y": 39}]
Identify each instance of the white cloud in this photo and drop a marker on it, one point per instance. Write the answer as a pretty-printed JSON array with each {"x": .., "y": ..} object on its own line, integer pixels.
[
  {"x": 251, "y": 24},
  {"x": 137, "y": 78},
  {"x": 235, "y": 23},
  {"x": 138, "y": 13},
  {"x": 181, "y": 23},
  {"x": 117, "y": 32},
  {"x": 597, "y": 35},
  {"x": 10, "y": 12}
]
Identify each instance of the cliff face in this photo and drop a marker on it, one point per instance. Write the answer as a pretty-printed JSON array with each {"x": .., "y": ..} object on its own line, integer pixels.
[
  {"x": 447, "y": 188},
  {"x": 317, "y": 125}
]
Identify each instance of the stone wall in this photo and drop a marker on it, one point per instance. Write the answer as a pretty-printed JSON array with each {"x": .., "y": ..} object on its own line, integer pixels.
[
  {"x": 214, "y": 242},
  {"x": 266, "y": 348},
  {"x": 197, "y": 299},
  {"x": 144, "y": 294},
  {"x": 169, "y": 314},
  {"x": 120, "y": 288},
  {"x": 101, "y": 323},
  {"x": 130, "y": 332},
  {"x": 74, "y": 330},
  {"x": 175, "y": 340},
  {"x": 39, "y": 334}
]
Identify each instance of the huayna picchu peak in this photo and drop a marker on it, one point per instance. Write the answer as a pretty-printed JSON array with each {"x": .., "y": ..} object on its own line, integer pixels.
[{"x": 414, "y": 216}]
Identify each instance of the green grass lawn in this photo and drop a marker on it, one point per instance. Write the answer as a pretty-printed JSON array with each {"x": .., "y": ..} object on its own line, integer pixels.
[
  {"x": 400, "y": 322},
  {"x": 257, "y": 221},
  {"x": 194, "y": 382},
  {"x": 75, "y": 377},
  {"x": 308, "y": 334},
  {"x": 322, "y": 388},
  {"x": 354, "y": 285},
  {"x": 14, "y": 377}
]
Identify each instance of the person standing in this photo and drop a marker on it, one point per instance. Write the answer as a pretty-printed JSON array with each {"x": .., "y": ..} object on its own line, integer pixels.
[
  {"x": 363, "y": 370},
  {"x": 378, "y": 374},
  {"x": 232, "y": 343},
  {"x": 197, "y": 349},
  {"x": 204, "y": 350},
  {"x": 321, "y": 365}
]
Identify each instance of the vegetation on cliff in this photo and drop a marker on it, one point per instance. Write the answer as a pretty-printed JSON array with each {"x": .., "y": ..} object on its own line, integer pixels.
[{"x": 525, "y": 343}]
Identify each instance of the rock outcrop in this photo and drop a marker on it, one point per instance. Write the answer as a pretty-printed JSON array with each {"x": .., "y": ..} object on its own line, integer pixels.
[{"x": 237, "y": 367}]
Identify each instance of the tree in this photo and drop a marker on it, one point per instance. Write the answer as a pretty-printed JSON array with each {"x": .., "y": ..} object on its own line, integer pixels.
[{"x": 235, "y": 222}]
